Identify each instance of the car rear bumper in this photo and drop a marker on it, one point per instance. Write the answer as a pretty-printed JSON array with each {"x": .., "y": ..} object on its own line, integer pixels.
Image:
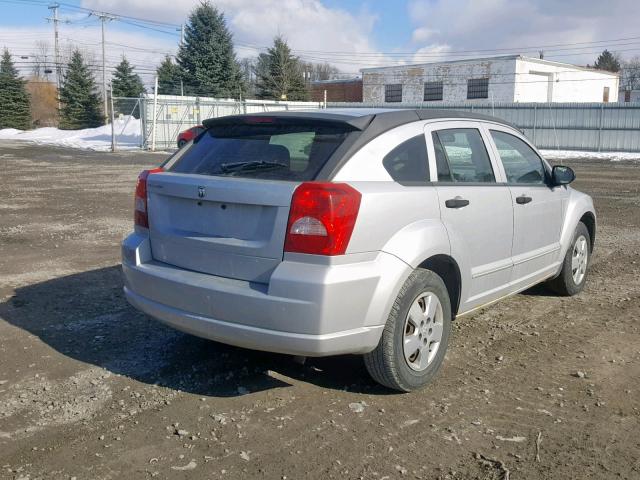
[{"x": 311, "y": 309}]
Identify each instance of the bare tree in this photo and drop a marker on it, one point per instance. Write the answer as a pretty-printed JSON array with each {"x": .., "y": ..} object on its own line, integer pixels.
[
  {"x": 247, "y": 67},
  {"x": 630, "y": 74},
  {"x": 43, "y": 60},
  {"x": 324, "y": 71},
  {"x": 319, "y": 71}
]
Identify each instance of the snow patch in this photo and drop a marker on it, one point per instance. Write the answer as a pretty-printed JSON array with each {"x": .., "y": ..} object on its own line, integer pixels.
[
  {"x": 127, "y": 129},
  {"x": 581, "y": 155}
]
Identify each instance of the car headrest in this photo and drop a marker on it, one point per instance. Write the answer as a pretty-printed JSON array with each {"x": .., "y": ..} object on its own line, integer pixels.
[{"x": 276, "y": 153}]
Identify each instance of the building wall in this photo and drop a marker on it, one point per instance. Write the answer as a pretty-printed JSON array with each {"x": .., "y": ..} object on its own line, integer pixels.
[
  {"x": 547, "y": 82},
  {"x": 347, "y": 91},
  {"x": 454, "y": 76},
  {"x": 511, "y": 79},
  {"x": 633, "y": 96}
]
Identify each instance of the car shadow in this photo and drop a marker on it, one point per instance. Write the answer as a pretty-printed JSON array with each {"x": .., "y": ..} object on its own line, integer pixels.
[
  {"x": 86, "y": 317},
  {"x": 539, "y": 290}
]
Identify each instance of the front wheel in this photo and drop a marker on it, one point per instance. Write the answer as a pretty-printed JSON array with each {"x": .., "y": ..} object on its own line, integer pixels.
[
  {"x": 181, "y": 143},
  {"x": 415, "y": 338},
  {"x": 573, "y": 275}
]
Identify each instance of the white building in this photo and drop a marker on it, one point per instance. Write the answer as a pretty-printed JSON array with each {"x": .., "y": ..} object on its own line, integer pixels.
[{"x": 512, "y": 78}]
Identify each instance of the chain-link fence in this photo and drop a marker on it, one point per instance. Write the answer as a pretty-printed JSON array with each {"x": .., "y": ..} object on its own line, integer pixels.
[{"x": 163, "y": 119}]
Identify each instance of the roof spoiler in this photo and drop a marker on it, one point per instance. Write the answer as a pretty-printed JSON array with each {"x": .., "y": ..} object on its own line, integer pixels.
[{"x": 292, "y": 118}]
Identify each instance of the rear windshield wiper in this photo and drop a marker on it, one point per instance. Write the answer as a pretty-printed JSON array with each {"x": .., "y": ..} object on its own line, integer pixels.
[{"x": 251, "y": 165}]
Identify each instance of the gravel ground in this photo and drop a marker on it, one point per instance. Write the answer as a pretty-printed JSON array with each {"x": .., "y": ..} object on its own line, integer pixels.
[{"x": 534, "y": 387}]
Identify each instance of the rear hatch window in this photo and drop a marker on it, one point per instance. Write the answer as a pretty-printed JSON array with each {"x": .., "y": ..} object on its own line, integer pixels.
[{"x": 268, "y": 149}]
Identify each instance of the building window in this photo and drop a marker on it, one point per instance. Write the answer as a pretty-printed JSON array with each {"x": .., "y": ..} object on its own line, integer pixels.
[
  {"x": 393, "y": 93},
  {"x": 432, "y": 91},
  {"x": 477, "y": 88}
]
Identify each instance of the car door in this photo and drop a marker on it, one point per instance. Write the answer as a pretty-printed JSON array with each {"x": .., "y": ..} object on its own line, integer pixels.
[
  {"x": 538, "y": 208},
  {"x": 476, "y": 209}
]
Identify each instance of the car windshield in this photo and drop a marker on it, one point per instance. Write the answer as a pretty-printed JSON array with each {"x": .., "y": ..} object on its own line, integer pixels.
[{"x": 272, "y": 151}]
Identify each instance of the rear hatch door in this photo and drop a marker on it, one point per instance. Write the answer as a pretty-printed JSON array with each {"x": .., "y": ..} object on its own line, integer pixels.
[{"x": 221, "y": 206}]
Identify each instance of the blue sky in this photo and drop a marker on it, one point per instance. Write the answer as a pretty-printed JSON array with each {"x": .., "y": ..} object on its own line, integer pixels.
[
  {"x": 392, "y": 28},
  {"x": 351, "y": 34}
]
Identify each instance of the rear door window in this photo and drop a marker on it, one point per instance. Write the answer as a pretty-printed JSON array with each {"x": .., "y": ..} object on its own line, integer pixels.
[
  {"x": 408, "y": 163},
  {"x": 463, "y": 156},
  {"x": 272, "y": 151}
]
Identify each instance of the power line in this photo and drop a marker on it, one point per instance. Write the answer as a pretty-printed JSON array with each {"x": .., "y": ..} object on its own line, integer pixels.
[
  {"x": 374, "y": 59},
  {"x": 350, "y": 57}
]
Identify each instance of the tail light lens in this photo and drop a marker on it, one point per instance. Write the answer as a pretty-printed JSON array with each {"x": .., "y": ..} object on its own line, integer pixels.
[
  {"x": 322, "y": 218},
  {"x": 140, "y": 214}
]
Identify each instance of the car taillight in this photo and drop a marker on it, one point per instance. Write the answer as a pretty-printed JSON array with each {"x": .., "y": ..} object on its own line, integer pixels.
[
  {"x": 322, "y": 218},
  {"x": 140, "y": 214}
]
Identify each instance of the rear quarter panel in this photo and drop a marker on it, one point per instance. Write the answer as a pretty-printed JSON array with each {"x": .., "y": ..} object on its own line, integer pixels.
[
  {"x": 398, "y": 219},
  {"x": 403, "y": 221}
]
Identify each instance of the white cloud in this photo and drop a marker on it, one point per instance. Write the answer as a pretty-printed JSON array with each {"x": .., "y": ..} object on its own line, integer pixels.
[
  {"x": 309, "y": 26},
  {"x": 434, "y": 50},
  {"x": 504, "y": 24},
  {"x": 422, "y": 34}
]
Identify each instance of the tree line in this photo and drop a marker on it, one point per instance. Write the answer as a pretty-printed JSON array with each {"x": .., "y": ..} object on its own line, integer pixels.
[{"x": 206, "y": 64}]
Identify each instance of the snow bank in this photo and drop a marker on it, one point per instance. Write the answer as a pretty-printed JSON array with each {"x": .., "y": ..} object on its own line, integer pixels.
[
  {"x": 578, "y": 155},
  {"x": 127, "y": 129}
]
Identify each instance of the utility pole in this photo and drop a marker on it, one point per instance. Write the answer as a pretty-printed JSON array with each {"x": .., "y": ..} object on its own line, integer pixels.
[
  {"x": 181, "y": 30},
  {"x": 104, "y": 17},
  {"x": 54, "y": 19}
]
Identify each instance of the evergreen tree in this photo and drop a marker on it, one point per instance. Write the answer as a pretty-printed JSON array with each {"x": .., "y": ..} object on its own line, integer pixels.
[
  {"x": 125, "y": 82},
  {"x": 169, "y": 77},
  {"x": 208, "y": 62},
  {"x": 607, "y": 61},
  {"x": 279, "y": 75},
  {"x": 80, "y": 102},
  {"x": 14, "y": 99}
]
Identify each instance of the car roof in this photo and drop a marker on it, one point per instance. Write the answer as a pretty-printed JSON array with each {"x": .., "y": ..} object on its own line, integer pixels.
[
  {"x": 363, "y": 118},
  {"x": 365, "y": 123}
]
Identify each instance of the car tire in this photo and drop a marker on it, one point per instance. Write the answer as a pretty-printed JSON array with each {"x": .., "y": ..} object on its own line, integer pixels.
[
  {"x": 391, "y": 363},
  {"x": 573, "y": 275},
  {"x": 181, "y": 143}
]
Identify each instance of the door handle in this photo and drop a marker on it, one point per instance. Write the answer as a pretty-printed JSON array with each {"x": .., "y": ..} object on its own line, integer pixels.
[
  {"x": 457, "y": 202},
  {"x": 522, "y": 199}
]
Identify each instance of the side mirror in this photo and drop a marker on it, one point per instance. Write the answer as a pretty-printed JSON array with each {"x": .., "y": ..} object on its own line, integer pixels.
[{"x": 561, "y": 175}]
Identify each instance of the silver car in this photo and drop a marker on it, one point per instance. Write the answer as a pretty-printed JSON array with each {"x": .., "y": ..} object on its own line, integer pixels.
[{"x": 352, "y": 231}]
